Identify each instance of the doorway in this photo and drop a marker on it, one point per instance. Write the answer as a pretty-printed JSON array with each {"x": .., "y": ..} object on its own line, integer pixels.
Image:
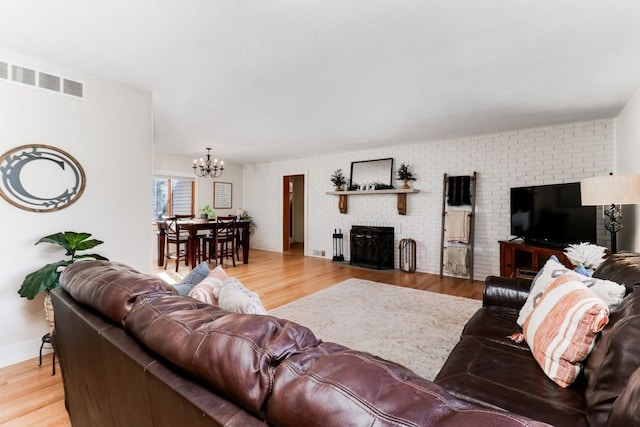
[{"x": 293, "y": 214}]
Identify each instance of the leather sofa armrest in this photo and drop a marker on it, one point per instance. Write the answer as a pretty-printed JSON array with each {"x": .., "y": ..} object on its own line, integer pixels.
[{"x": 505, "y": 292}]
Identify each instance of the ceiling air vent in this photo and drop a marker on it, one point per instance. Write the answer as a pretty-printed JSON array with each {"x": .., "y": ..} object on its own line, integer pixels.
[
  {"x": 47, "y": 81},
  {"x": 23, "y": 75},
  {"x": 4, "y": 70},
  {"x": 72, "y": 88}
]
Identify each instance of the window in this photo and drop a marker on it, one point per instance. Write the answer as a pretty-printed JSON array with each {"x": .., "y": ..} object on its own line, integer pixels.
[{"x": 172, "y": 196}]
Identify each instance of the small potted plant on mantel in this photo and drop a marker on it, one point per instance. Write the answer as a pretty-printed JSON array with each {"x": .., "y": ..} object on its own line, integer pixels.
[
  {"x": 338, "y": 179},
  {"x": 405, "y": 175},
  {"x": 48, "y": 277}
]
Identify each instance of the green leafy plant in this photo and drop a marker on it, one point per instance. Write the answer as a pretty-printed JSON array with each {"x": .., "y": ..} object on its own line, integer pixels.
[
  {"x": 405, "y": 174},
  {"x": 206, "y": 210},
  {"x": 48, "y": 277},
  {"x": 246, "y": 217},
  {"x": 338, "y": 179}
]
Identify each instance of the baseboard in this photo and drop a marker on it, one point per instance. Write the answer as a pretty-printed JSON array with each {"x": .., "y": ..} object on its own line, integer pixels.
[{"x": 12, "y": 354}]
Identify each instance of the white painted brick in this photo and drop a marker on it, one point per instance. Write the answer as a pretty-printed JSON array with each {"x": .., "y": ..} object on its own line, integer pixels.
[{"x": 562, "y": 153}]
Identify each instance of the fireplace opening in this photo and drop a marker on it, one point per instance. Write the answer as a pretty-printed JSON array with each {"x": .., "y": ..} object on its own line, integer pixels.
[{"x": 372, "y": 247}]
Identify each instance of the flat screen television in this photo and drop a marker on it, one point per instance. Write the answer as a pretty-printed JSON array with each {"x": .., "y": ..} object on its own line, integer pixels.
[{"x": 552, "y": 215}]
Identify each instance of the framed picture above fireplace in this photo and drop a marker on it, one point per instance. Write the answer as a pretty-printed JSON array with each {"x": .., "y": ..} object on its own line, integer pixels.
[{"x": 371, "y": 172}]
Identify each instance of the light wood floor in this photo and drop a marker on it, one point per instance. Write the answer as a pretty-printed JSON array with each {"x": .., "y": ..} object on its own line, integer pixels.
[{"x": 31, "y": 396}]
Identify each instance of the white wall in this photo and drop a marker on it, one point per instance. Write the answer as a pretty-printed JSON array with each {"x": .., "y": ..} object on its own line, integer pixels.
[
  {"x": 628, "y": 161},
  {"x": 109, "y": 132},
  {"x": 555, "y": 154}
]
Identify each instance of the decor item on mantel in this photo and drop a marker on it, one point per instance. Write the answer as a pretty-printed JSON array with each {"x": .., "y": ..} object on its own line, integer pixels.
[
  {"x": 611, "y": 190},
  {"x": 207, "y": 168},
  {"x": 405, "y": 175},
  {"x": 338, "y": 179},
  {"x": 47, "y": 278}
]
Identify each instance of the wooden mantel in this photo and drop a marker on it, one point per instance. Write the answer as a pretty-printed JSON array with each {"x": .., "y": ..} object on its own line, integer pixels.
[{"x": 401, "y": 192}]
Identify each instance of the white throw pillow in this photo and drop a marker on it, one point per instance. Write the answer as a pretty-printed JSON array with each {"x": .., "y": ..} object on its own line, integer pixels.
[
  {"x": 610, "y": 292},
  {"x": 235, "y": 297}
]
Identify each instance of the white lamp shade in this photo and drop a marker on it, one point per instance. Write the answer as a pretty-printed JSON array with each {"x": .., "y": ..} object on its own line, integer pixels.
[{"x": 611, "y": 190}]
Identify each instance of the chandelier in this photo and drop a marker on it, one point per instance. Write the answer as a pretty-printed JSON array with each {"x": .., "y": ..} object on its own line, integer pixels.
[{"x": 207, "y": 168}]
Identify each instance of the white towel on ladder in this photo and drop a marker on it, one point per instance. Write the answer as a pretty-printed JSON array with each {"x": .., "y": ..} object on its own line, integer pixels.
[
  {"x": 457, "y": 226},
  {"x": 457, "y": 260}
]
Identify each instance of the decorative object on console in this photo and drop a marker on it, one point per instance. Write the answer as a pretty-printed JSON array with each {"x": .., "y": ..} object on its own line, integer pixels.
[
  {"x": 405, "y": 175},
  {"x": 611, "y": 191},
  {"x": 23, "y": 169},
  {"x": 338, "y": 179},
  {"x": 585, "y": 256},
  {"x": 206, "y": 168}
]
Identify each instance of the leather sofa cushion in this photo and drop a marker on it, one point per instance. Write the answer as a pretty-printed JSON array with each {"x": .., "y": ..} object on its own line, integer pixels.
[
  {"x": 613, "y": 359},
  {"x": 492, "y": 374},
  {"x": 505, "y": 292},
  {"x": 331, "y": 385},
  {"x": 111, "y": 288},
  {"x": 495, "y": 323},
  {"x": 626, "y": 410},
  {"x": 622, "y": 267},
  {"x": 235, "y": 354}
]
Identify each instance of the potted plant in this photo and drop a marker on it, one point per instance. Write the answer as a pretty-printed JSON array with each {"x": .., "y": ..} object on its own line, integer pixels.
[
  {"x": 405, "y": 175},
  {"x": 48, "y": 277},
  {"x": 338, "y": 179},
  {"x": 246, "y": 217},
  {"x": 207, "y": 213}
]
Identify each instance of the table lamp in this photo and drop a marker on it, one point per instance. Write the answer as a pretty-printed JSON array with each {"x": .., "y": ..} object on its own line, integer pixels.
[{"x": 611, "y": 191}]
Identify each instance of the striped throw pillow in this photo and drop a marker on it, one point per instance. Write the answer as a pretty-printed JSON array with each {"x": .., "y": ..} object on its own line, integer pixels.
[{"x": 562, "y": 327}]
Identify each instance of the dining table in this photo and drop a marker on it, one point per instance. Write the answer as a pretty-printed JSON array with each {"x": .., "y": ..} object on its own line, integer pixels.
[{"x": 194, "y": 227}]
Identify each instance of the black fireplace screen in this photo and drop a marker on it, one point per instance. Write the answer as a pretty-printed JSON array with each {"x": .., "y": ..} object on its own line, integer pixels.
[{"x": 372, "y": 246}]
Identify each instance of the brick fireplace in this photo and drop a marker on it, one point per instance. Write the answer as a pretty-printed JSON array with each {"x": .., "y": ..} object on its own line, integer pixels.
[{"x": 372, "y": 246}]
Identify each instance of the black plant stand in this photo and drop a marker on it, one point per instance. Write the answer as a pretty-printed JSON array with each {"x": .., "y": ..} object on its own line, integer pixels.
[{"x": 46, "y": 339}]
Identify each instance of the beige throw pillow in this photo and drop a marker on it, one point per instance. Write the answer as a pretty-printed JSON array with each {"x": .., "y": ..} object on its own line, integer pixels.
[
  {"x": 235, "y": 297},
  {"x": 562, "y": 327}
]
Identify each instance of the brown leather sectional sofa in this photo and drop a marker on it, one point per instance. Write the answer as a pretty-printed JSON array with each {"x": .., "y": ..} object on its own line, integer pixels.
[
  {"x": 133, "y": 353},
  {"x": 489, "y": 368}
]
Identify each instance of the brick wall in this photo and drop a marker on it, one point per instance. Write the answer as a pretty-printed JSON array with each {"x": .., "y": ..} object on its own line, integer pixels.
[{"x": 548, "y": 155}]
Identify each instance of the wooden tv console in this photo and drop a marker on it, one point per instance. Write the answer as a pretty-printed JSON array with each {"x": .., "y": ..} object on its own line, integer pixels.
[{"x": 518, "y": 259}]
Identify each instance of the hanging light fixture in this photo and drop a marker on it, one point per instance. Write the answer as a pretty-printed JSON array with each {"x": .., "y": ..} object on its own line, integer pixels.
[{"x": 207, "y": 167}]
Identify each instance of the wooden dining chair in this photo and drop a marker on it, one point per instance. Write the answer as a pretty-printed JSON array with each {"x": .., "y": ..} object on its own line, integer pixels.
[
  {"x": 176, "y": 238},
  {"x": 226, "y": 238}
]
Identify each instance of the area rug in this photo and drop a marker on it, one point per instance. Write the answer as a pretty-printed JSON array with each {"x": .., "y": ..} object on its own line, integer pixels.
[{"x": 411, "y": 327}]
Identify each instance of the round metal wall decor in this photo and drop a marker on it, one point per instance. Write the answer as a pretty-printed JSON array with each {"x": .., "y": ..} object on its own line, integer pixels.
[{"x": 40, "y": 178}]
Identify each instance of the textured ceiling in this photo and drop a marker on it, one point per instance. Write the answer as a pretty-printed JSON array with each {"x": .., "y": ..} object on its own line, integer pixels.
[{"x": 260, "y": 80}]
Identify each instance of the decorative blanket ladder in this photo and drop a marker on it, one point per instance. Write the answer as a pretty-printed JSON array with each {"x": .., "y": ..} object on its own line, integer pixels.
[{"x": 458, "y": 223}]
